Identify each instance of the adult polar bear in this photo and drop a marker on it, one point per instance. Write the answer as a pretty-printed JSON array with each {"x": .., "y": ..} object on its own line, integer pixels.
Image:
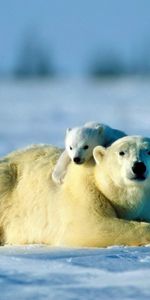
[{"x": 78, "y": 213}]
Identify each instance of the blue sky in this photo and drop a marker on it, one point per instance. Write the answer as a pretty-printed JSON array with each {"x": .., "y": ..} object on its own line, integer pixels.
[{"x": 75, "y": 31}]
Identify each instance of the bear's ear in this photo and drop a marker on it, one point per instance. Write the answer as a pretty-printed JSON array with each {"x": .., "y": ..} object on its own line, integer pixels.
[
  {"x": 68, "y": 130},
  {"x": 98, "y": 153}
]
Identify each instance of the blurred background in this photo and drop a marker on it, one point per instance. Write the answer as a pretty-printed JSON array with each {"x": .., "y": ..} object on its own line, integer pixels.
[{"x": 63, "y": 63}]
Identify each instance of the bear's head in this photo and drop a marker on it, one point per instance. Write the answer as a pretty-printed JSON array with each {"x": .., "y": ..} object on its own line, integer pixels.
[
  {"x": 123, "y": 171},
  {"x": 126, "y": 161},
  {"x": 80, "y": 142}
]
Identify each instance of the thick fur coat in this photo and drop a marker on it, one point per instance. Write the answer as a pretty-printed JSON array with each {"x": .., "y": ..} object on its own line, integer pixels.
[{"x": 33, "y": 209}]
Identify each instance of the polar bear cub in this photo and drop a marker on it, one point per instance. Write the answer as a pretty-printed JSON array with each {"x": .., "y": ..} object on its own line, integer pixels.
[{"x": 79, "y": 145}]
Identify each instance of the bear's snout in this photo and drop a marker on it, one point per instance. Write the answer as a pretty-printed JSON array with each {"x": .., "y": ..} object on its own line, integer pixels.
[
  {"x": 77, "y": 160},
  {"x": 139, "y": 169}
]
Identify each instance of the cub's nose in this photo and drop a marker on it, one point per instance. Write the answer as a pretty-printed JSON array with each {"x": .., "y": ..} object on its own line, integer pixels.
[
  {"x": 77, "y": 160},
  {"x": 139, "y": 168}
]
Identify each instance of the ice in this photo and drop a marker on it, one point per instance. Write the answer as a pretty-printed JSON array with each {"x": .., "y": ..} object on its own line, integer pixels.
[
  {"x": 39, "y": 112},
  {"x": 51, "y": 273}
]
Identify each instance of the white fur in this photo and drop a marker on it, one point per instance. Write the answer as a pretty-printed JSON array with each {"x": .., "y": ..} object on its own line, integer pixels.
[
  {"x": 89, "y": 136},
  {"x": 77, "y": 213},
  {"x": 131, "y": 194}
]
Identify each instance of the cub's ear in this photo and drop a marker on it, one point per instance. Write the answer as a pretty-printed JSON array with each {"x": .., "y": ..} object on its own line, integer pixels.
[
  {"x": 68, "y": 130},
  {"x": 98, "y": 153}
]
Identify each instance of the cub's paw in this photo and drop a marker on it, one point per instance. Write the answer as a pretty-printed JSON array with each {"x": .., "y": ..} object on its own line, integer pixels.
[{"x": 57, "y": 178}]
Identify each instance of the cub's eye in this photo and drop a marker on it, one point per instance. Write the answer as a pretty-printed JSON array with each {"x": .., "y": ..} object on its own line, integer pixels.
[
  {"x": 121, "y": 153},
  {"x": 85, "y": 147},
  {"x": 148, "y": 152},
  {"x": 70, "y": 148}
]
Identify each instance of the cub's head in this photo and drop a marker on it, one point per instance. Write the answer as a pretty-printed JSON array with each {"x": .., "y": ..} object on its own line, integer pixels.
[
  {"x": 80, "y": 142},
  {"x": 126, "y": 162}
]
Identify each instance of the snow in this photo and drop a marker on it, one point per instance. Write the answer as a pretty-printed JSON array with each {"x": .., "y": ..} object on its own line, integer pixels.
[
  {"x": 47, "y": 273},
  {"x": 39, "y": 112}
]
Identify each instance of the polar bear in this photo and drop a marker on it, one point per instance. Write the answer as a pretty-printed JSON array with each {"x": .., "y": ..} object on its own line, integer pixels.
[
  {"x": 79, "y": 145},
  {"x": 128, "y": 167},
  {"x": 92, "y": 208}
]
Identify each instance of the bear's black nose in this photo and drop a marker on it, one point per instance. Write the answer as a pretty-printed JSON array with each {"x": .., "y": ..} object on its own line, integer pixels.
[
  {"x": 139, "y": 168},
  {"x": 77, "y": 160}
]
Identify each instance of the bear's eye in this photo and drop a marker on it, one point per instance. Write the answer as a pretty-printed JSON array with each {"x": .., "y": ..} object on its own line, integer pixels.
[
  {"x": 148, "y": 152},
  {"x": 85, "y": 147},
  {"x": 70, "y": 148},
  {"x": 121, "y": 153}
]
